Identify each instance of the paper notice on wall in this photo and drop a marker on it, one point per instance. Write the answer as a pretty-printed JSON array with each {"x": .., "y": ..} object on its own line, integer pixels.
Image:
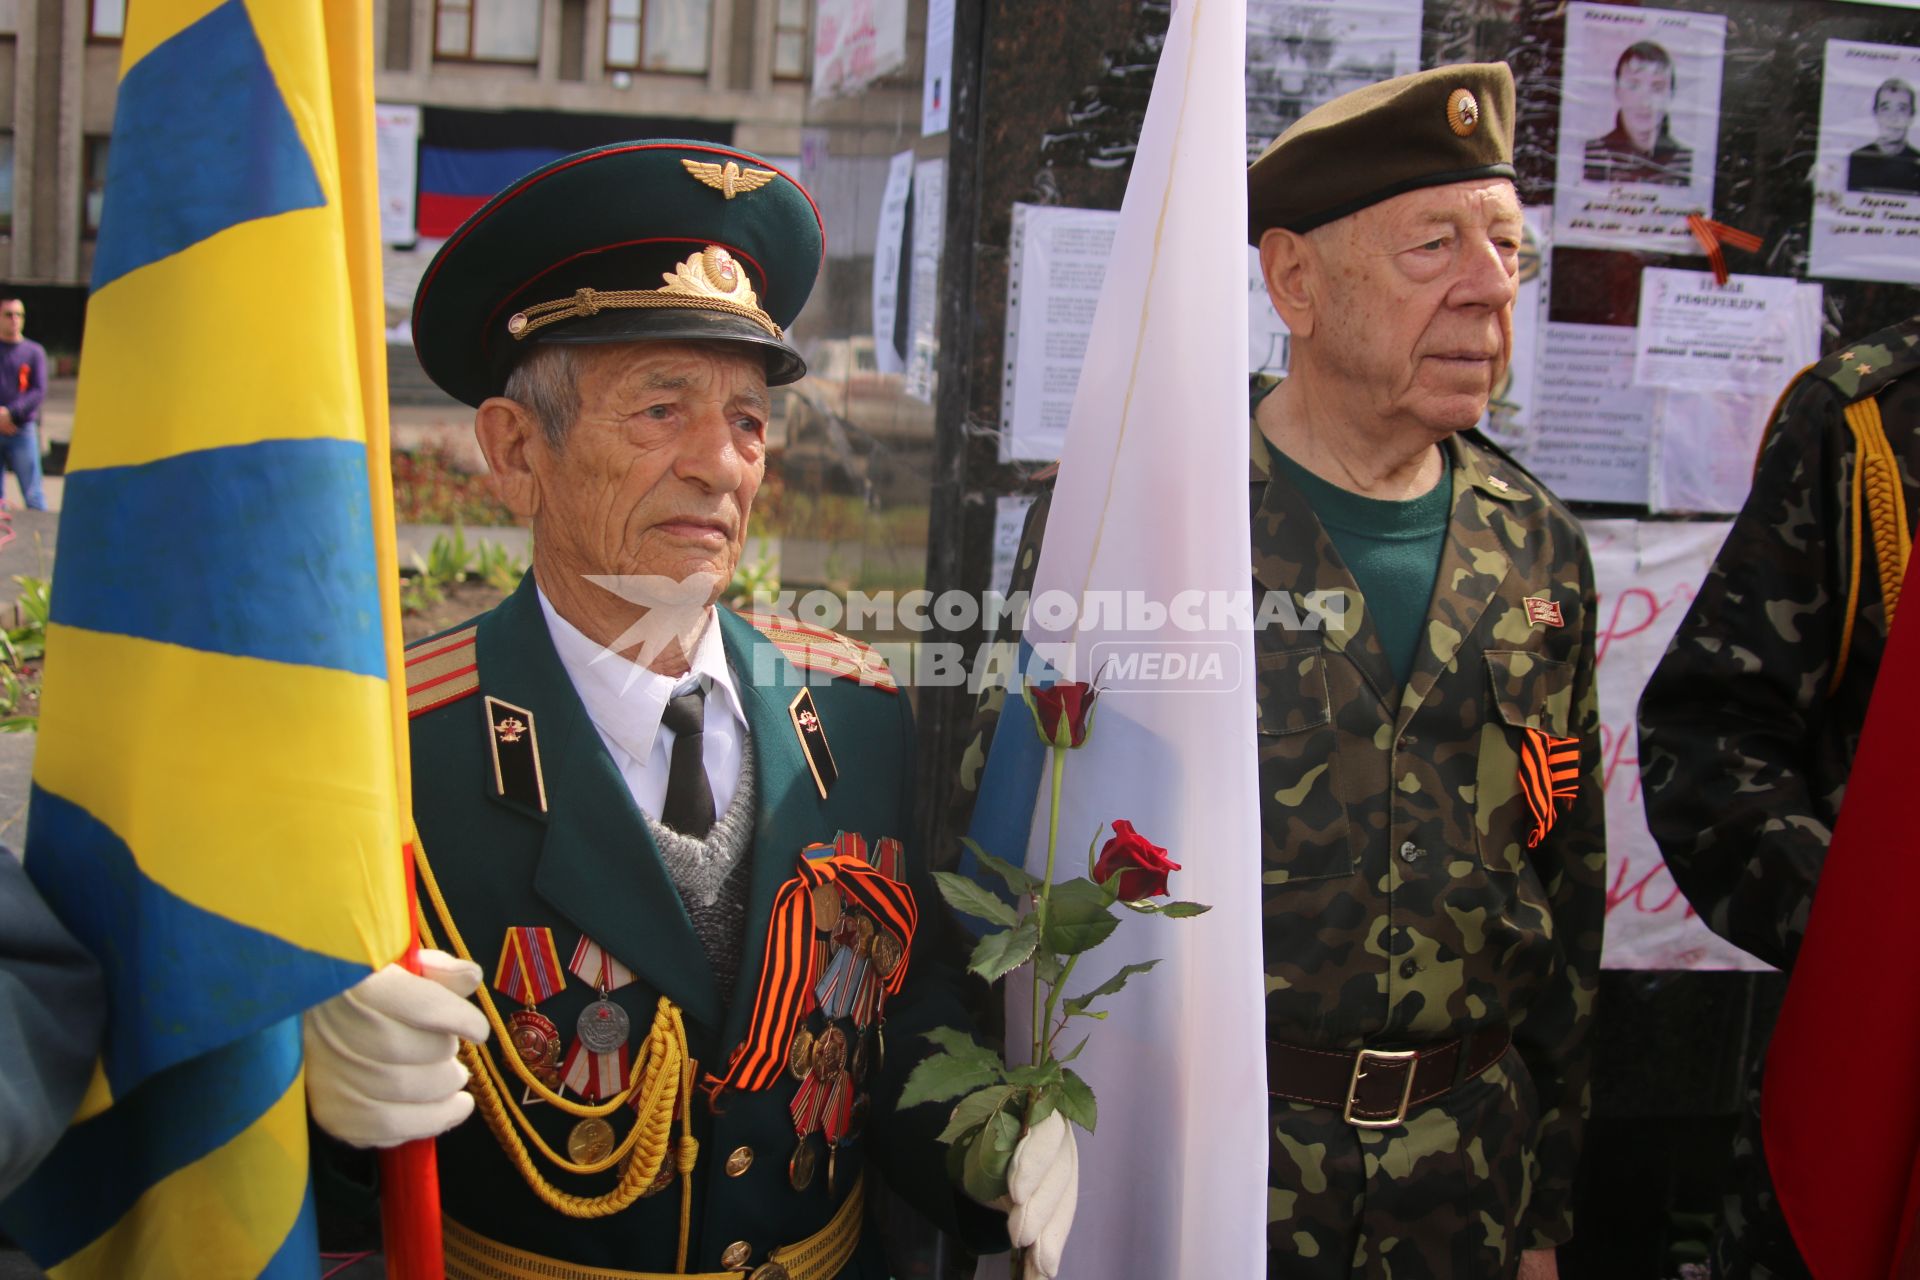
[
  {"x": 1639, "y": 126},
  {"x": 889, "y": 246},
  {"x": 1301, "y": 53},
  {"x": 1866, "y": 178},
  {"x": 396, "y": 151},
  {"x": 1057, "y": 259},
  {"x": 1748, "y": 335},
  {"x": 1704, "y": 445},
  {"x": 1267, "y": 336},
  {"x": 1593, "y": 427},
  {"x": 855, "y": 42},
  {"x": 1646, "y": 573},
  {"x": 929, "y": 223},
  {"x": 936, "y": 86}
]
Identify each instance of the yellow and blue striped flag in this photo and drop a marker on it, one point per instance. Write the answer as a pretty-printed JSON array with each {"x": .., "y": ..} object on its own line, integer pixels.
[{"x": 219, "y": 795}]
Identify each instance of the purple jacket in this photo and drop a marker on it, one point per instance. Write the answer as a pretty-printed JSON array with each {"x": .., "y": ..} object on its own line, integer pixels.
[{"x": 23, "y": 379}]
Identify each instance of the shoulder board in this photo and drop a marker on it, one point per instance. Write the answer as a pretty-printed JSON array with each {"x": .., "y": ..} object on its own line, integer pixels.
[
  {"x": 441, "y": 669},
  {"x": 818, "y": 649},
  {"x": 1865, "y": 368}
]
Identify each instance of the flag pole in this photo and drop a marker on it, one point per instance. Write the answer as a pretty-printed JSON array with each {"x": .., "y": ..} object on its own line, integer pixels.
[{"x": 409, "y": 1173}]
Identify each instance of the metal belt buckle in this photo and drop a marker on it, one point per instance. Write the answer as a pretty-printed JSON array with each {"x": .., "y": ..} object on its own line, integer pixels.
[{"x": 1406, "y": 1056}]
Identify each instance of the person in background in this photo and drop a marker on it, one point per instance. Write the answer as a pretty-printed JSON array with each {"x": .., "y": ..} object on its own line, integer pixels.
[
  {"x": 1641, "y": 147},
  {"x": 1749, "y": 724},
  {"x": 23, "y": 386},
  {"x": 1889, "y": 163}
]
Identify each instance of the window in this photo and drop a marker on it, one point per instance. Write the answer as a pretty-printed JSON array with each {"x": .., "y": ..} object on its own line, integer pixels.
[
  {"x": 487, "y": 30},
  {"x": 107, "y": 19},
  {"x": 95, "y": 177},
  {"x": 659, "y": 35},
  {"x": 790, "y": 61}
]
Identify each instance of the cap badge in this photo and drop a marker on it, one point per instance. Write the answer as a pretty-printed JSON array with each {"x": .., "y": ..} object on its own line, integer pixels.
[
  {"x": 710, "y": 280},
  {"x": 730, "y": 179},
  {"x": 1463, "y": 112}
]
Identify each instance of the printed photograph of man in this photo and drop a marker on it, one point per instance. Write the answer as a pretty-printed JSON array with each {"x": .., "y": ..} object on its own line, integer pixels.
[
  {"x": 1641, "y": 147},
  {"x": 1889, "y": 163}
]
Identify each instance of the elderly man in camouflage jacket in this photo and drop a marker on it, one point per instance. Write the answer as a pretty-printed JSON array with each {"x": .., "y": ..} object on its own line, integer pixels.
[
  {"x": 1748, "y": 727},
  {"x": 1434, "y": 856}
]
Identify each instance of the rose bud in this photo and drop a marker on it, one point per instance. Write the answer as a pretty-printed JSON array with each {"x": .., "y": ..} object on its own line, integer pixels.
[
  {"x": 1142, "y": 863},
  {"x": 1062, "y": 712}
]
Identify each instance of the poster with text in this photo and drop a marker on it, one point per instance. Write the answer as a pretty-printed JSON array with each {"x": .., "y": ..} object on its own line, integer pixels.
[
  {"x": 889, "y": 249},
  {"x": 1866, "y": 179},
  {"x": 1057, "y": 260},
  {"x": 1639, "y": 127},
  {"x": 396, "y": 152},
  {"x": 1592, "y": 427},
  {"x": 1301, "y": 53},
  {"x": 1646, "y": 574},
  {"x": 936, "y": 85},
  {"x": 923, "y": 308},
  {"x": 855, "y": 42}
]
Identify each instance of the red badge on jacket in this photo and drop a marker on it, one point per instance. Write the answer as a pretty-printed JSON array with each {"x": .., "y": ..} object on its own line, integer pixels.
[{"x": 1542, "y": 612}]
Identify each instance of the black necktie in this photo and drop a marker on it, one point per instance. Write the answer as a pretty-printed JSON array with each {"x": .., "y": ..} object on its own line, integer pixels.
[{"x": 689, "y": 804}]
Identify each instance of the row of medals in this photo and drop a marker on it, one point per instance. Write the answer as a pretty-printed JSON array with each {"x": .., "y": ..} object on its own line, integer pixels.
[{"x": 856, "y": 958}]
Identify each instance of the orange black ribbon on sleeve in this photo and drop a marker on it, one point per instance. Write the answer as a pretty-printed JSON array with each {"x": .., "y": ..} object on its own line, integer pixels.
[
  {"x": 1549, "y": 773},
  {"x": 785, "y": 993}
]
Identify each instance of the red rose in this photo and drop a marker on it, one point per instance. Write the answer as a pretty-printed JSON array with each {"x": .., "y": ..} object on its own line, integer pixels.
[
  {"x": 1142, "y": 863},
  {"x": 1063, "y": 712}
]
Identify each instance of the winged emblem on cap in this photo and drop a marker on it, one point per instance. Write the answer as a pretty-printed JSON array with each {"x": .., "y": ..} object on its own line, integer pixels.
[{"x": 729, "y": 179}]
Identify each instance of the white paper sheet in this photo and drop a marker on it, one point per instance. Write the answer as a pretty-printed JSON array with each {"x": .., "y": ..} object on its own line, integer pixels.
[
  {"x": 1638, "y": 136},
  {"x": 929, "y": 224},
  {"x": 936, "y": 85},
  {"x": 1866, "y": 180},
  {"x": 888, "y": 242},
  {"x": 1593, "y": 425},
  {"x": 1301, "y": 53},
  {"x": 1748, "y": 335},
  {"x": 1057, "y": 260}
]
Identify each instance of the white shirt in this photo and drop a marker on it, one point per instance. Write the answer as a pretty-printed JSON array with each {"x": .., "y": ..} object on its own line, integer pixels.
[{"x": 625, "y": 702}]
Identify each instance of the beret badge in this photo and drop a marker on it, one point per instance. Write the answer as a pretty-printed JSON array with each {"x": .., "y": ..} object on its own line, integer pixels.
[{"x": 1463, "y": 112}]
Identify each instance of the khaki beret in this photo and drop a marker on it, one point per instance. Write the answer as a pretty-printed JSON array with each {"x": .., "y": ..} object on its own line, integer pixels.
[{"x": 1450, "y": 124}]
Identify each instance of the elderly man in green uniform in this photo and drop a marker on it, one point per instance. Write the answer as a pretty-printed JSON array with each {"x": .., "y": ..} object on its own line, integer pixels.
[
  {"x": 669, "y": 836},
  {"x": 1434, "y": 861},
  {"x": 1749, "y": 724}
]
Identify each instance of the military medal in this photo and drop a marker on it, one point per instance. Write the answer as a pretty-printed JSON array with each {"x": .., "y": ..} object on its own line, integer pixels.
[
  {"x": 800, "y": 1168},
  {"x": 827, "y": 907},
  {"x": 887, "y": 953},
  {"x": 593, "y": 966},
  {"x": 887, "y": 857},
  {"x": 857, "y": 1121},
  {"x": 529, "y": 970},
  {"x": 603, "y": 1026},
  {"x": 591, "y": 1141},
  {"x": 861, "y": 1057},
  {"x": 800, "y": 1055},
  {"x": 534, "y": 1037}
]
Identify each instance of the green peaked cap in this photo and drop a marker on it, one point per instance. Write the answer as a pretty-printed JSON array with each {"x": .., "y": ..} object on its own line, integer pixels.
[{"x": 649, "y": 240}]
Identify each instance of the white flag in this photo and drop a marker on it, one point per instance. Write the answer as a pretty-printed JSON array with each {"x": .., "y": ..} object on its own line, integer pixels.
[{"x": 1148, "y": 534}]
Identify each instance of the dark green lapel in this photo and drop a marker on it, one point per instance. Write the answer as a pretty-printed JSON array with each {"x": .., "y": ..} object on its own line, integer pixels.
[
  {"x": 788, "y": 813},
  {"x": 597, "y": 866}
]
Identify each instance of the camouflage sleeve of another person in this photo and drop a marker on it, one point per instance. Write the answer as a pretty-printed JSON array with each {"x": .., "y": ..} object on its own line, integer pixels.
[
  {"x": 1551, "y": 1034},
  {"x": 996, "y": 672},
  {"x": 1726, "y": 721}
]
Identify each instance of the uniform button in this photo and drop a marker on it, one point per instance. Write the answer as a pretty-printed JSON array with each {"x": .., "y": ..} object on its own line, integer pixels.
[
  {"x": 734, "y": 1256},
  {"x": 1411, "y": 852},
  {"x": 1409, "y": 967},
  {"x": 740, "y": 1161}
]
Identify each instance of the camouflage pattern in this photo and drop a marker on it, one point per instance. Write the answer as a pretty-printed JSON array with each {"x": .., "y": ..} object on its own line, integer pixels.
[
  {"x": 1745, "y": 747},
  {"x": 1402, "y": 903}
]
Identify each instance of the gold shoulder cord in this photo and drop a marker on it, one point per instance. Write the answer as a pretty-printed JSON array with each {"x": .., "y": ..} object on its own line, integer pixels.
[
  {"x": 1877, "y": 489},
  {"x": 662, "y": 1076}
]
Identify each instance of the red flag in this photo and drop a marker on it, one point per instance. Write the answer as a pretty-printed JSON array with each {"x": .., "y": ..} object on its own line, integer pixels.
[{"x": 1840, "y": 1106}]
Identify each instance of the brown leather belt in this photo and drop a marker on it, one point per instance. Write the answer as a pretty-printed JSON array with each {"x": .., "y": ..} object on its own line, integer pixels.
[{"x": 1374, "y": 1088}]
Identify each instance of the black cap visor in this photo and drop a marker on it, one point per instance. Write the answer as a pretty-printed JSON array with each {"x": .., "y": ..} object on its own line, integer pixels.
[{"x": 665, "y": 324}]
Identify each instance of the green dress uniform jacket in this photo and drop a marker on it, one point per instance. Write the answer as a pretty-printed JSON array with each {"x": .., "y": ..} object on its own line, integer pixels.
[
  {"x": 1405, "y": 902},
  {"x": 587, "y": 866},
  {"x": 1746, "y": 741}
]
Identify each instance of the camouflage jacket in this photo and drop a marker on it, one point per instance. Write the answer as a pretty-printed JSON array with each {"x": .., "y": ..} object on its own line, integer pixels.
[
  {"x": 1403, "y": 901},
  {"x": 1745, "y": 746}
]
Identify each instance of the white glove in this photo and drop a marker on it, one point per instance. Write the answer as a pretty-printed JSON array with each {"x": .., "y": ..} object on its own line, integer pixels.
[
  {"x": 381, "y": 1068},
  {"x": 1043, "y": 1188}
]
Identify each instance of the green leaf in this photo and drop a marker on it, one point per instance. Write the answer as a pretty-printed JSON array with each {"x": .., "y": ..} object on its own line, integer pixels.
[
  {"x": 1097, "y": 1014},
  {"x": 957, "y": 1157},
  {"x": 1001, "y": 953},
  {"x": 945, "y": 1075},
  {"x": 1048, "y": 965},
  {"x": 1076, "y": 1101},
  {"x": 1017, "y": 879},
  {"x": 984, "y": 1175},
  {"x": 969, "y": 898},
  {"x": 1035, "y": 1075},
  {"x": 1172, "y": 910},
  {"x": 1078, "y": 1004},
  {"x": 1045, "y": 1103},
  {"x": 1078, "y": 917},
  {"x": 960, "y": 1044},
  {"x": 1076, "y": 1050},
  {"x": 974, "y": 1110}
]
